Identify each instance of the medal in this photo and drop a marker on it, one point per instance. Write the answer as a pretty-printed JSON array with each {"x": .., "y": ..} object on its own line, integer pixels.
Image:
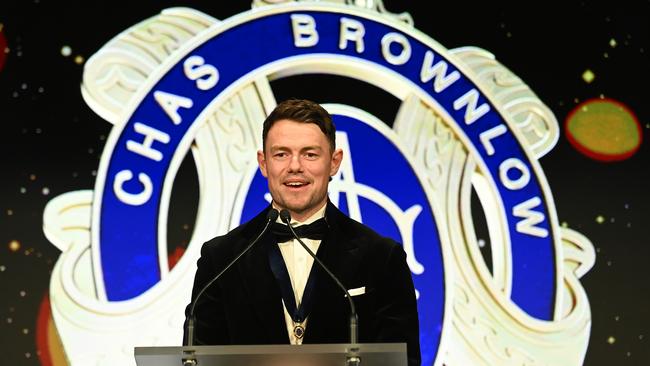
[{"x": 298, "y": 330}]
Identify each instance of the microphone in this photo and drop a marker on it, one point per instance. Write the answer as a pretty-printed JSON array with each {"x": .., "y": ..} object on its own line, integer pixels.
[
  {"x": 270, "y": 217},
  {"x": 285, "y": 216}
]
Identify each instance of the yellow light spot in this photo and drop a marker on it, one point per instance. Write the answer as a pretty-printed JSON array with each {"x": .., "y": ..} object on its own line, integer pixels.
[
  {"x": 14, "y": 245},
  {"x": 612, "y": 43},
  {"x": 565, "y": 224},
  {"x": 10, "y": 212},
  {"x": 588, "y": 76},
  {"x": 600, "y": 219},
  {"x": 79, "y": 59},
  {"x": 611, "y": 340},
  {"x": 32, "y": 177}
]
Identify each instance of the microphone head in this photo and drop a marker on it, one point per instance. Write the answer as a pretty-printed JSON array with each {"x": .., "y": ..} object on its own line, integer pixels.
[
  {"x": 272, "y": 215},
  {"x": 285, "y": 216}
]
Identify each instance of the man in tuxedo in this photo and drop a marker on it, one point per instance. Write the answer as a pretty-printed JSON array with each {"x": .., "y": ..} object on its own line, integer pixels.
[{"x": 275, "y": 293}]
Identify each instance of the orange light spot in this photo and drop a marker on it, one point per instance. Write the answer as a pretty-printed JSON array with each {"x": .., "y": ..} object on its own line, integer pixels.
[{"x": 603, "y": 129}]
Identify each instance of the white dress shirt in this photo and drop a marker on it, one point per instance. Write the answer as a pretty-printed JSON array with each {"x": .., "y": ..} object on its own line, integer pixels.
[{"x": 299, "y": 264}]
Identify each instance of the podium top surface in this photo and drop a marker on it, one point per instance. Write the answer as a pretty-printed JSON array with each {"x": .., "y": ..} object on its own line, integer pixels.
[{"x": 371, "y": 354}]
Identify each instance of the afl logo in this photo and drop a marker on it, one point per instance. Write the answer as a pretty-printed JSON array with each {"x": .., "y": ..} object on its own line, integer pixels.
[{"x": 465, "y": 124}]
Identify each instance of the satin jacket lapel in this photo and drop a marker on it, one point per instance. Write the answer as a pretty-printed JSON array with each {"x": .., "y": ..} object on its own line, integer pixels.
[
  {"x": 260, "y": 284},
  {"x": 341, "y": 257}
]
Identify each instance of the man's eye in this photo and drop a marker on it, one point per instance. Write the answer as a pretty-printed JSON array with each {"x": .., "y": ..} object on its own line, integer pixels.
[
  {"x": 311, "y": 155},
  {"x": 280, "y": 155}
]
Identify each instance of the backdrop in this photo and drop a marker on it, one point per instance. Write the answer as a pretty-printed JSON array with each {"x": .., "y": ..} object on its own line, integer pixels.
[{"x": 569, "y": 54}]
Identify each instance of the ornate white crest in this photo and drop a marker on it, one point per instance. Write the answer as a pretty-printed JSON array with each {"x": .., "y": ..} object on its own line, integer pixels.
[{"x": 178, "y": 82}]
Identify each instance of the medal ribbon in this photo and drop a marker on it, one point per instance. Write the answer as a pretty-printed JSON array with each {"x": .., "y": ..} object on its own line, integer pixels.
[{"x": 279, "y": 269}]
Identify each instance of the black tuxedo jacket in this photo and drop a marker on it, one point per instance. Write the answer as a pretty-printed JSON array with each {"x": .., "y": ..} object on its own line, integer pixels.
[{"x": 245, "y": 305}]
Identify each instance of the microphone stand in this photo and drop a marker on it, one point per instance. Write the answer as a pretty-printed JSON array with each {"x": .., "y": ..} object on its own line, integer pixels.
[
  {"x": 353, "y": 358},
  {"x": 191, "y": 360}
]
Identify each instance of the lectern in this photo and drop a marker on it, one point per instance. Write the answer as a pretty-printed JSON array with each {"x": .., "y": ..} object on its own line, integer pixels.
[{"x": 369, "y": 354}]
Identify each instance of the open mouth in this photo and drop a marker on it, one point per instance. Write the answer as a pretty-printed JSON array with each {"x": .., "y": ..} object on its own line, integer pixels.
[{"x": 295, "y": 185}]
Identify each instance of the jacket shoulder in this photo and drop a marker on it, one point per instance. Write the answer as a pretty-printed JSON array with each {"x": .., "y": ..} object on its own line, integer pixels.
[
  {"x": 238, "y": 236},
  {"x": 362, "y": 235}
]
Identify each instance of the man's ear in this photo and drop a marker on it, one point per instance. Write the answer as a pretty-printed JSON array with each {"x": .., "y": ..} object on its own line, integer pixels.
[
  {"x": 261, "y": 161},
  {"x": 337, "y": 158}
]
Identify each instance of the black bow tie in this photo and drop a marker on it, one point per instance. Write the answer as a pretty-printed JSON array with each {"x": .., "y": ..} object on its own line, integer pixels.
[{"x": 316, "y": 231}]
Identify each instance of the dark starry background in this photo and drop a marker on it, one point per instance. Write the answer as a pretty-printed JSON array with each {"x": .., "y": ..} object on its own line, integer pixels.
[{"x": 50, "y": 141}]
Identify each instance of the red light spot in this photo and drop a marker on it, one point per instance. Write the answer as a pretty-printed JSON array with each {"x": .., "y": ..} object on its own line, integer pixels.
[
  {"x": 42, "y": 344},
  {"x": 3, "y": 47},
  {"x": 175, "y": 256}
]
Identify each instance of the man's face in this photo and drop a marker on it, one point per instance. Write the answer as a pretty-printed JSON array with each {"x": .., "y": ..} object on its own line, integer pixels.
[{"x": 297, "y": 161}]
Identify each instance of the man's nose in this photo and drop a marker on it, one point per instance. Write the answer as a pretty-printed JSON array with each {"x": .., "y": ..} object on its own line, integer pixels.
[{"x": 295, "y": 165}]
